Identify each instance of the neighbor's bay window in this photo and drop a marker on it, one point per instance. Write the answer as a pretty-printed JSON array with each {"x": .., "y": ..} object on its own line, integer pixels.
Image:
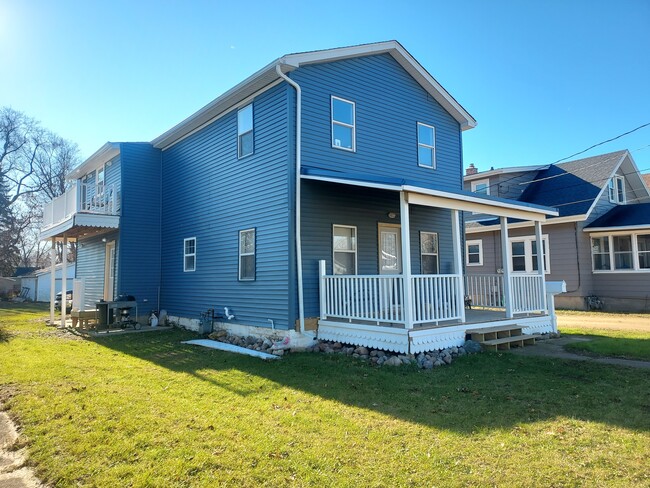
[
  {"x": 621, "y": 252},
  {"x": 343, "y": 124},
  {"x": 344, "y": 245},
  {"x": 247, "y": 255}
]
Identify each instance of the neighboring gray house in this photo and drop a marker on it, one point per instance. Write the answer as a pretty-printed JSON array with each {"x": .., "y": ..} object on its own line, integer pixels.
[{"x": 599, "y": 243}]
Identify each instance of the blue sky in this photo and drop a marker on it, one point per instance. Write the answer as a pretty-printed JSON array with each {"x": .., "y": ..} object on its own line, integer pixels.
[{"x": 543, "y": 79}]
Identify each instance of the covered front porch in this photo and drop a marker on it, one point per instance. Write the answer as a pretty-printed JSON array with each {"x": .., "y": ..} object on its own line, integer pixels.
[{"x": 398, "y": 310}]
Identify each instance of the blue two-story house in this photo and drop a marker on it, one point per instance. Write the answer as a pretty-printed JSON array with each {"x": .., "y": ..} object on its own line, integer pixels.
[{"x": 322, "y": 195}]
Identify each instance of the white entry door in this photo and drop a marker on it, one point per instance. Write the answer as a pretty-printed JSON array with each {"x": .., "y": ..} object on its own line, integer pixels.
[
  {"x": 109, "y": 271},
  {"x": 390, "y": 249}
]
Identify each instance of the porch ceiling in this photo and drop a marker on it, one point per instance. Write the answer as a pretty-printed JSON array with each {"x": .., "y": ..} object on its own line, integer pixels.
[
  {"x": 418, "y": 193},
  {"x": 81, "y": 225}
]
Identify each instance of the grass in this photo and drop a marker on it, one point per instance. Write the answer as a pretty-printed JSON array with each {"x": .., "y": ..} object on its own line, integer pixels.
[
  {"x": 631, "y": 342},
  {"x": 145, "y": 410}
]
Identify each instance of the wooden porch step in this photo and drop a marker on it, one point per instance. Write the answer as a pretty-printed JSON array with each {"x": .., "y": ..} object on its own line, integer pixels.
[
  {"x": 493, "y": 333},
  {"x": 506, "y": 343}
]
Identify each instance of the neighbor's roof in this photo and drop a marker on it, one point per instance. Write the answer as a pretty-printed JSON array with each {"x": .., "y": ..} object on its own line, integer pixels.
[
  {"x": 289, "y": 62},
  {"x": 623, "y": 216}
]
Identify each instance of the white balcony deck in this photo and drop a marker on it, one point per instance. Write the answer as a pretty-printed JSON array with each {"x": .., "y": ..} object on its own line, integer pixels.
[{"x": 80, "y": 208}]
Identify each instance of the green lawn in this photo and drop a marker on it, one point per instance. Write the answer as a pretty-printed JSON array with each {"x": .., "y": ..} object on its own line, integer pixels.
[{"x": 145, "y": 410}]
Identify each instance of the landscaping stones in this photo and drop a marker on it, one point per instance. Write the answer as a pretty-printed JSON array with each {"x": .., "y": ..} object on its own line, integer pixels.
[{"x": 376, "y": 357}]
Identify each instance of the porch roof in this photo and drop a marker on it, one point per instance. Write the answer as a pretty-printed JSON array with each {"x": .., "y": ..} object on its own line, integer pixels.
[{"x": 421, "y": 193}]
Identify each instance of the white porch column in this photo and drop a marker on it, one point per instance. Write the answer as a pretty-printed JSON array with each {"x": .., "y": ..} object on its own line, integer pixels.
[
  {"x": 458, "y": 260},
  {"x": 406, "y": 259},
  {"x": 52, "y": 278},
  {"x": 322, "y": 287},
  {"x": 505, "y": 257},
  {"x": 64, "y": 281},
  {"x": 540, "y": 261}
]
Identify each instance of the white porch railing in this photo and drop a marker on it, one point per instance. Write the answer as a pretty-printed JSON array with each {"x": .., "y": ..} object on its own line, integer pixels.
[
  {"x": 485, "y": 290},
  {"x": 528, "y": 293},
  {"x": 437, "y": 298},
  {"x": 97, "y": 199}
]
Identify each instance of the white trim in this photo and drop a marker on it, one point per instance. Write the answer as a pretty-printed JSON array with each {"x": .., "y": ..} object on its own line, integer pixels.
[
  {"x": 495, "y": 172},
  {"x": 354, "y": 251},
  {"x": 520, "y": 225},
  {"x": 528, "y": 253},
  {"x": 242, "y": 254},
  {"x": 352, "y": 126},
  {"x": 436, "y": 254},
  {"x": 187, "y": 255},
  {"x": 484, "y": 181},
  {"x": 427, "y": 146},
  {"x": 474, "y": 242}
]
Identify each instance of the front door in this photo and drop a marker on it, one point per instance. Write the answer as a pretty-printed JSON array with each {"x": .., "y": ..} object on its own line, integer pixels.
[
  {"x": 109, "y": 271},
  {"x": 390, "y": 249}
]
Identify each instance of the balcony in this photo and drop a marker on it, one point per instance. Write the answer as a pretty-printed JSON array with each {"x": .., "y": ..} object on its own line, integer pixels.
[{"x": 81, "y": 210}]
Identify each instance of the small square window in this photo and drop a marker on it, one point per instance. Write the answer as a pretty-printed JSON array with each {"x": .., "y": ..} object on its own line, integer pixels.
[
  {"x": 482, "y": 187},
  {"x": 189, "y": 254},
  {"x": 245, "y": 144},
  {"x": 474, "y": 253},
  {"x": 247, "y": 255},
  {"x": 343, "y": 124},
  {"x": 426, "y": 146}
]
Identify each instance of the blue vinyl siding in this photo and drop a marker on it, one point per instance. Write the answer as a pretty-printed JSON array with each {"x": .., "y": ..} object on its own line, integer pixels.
[
  {"x": 326, "y": 204},
  {"x": 210, "y": 194},
  {"x": 91, "y": 255},
  {"x": 139, "y": 249},
  {"x": 389, "y": 103}
]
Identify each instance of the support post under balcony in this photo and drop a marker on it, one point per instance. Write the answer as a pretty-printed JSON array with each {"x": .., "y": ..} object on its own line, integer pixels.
[{"x": 52, "y": 278}]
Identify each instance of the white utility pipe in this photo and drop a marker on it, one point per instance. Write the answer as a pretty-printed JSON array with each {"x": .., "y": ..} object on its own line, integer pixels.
[{"x": 301, "y": 311}]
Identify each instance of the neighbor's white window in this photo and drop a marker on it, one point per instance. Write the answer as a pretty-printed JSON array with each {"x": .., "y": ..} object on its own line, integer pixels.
[
  {"x": 524, "y": 254},
  {"x": 429, "y": 252},
  {"x": 189, "y": 254},
  {"x": 621, "y": 252},
  {"x": 247, "y": 255},
  {"x": 245, "y": 144},
  {"x": 481, "y": 186},
  {"x": 344, "y": 245},
  {"x": 426, "y": 145},
  {"x": 474, "y": 252},
  {"x": 343, "y": 124},
  {"x": 616, "y": 189}
]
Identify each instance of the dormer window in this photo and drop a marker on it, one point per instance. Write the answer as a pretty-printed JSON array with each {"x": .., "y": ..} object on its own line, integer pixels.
[
  {"x": 481, "y": 186},
  {"x": 616, "y": 189},
  {"x": 343, "y": 124}
]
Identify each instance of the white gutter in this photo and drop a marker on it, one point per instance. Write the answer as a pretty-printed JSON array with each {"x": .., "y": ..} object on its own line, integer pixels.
[{"x": 301, "y": 311}]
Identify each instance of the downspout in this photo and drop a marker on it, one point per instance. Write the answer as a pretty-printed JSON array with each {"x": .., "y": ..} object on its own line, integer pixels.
[{"x": 301, "y": 311}]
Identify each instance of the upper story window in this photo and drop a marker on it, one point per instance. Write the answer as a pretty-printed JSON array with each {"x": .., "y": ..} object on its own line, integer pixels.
[
  {"x": 343, "y": 124},
  {"x": 481, "y": 186},
  {"x": 621, "y": 252},
  {"x": 474, "y": 252},
  {"x": 245, "y": 144},
  {"x": 616, "y": 189},
  {"x": 189, "y": 254},
  {"x": 344, "y": 245},
  {"x": 247, "y": 255},
  {"x": 429, "y": 252},
  {"x": 426, "y": 146},
  {"x": 101, "y": 176}
]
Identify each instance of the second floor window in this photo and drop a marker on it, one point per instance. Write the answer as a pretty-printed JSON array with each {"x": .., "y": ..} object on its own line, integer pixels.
[
  {"x": 245, "y": 144},
  {"x": 616, "y": 189},
  {"x": 426, "y": 146},
  {"x": 343, "y": 124},
  {"x": 481, "y": 186}
]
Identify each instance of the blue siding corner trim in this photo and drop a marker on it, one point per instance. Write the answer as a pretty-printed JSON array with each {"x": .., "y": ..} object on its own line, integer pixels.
[{"x": 210, "y": 194}]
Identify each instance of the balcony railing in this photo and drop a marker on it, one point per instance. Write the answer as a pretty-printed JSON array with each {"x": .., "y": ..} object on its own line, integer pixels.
[{"x": 84, "y": 198}]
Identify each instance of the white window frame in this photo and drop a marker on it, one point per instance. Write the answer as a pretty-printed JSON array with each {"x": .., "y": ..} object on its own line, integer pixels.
[
  {"x": 353, "y": 251},
  {"x": 528, "y": 253},
  {"x": 636, "y": 268},
  {"x": 484, "y": 181},
  {"x": 474, "y": 242},
  {"x": 433, "y": 147},
  {"x": 344, "y": 124},
  {"x": 436, "y": 254},
  {"x": 243, "y": 254},
  {"x": 241, "y": 134},
  {"x": 616, "y": 189},
  {"x": 186, "y": 255}
]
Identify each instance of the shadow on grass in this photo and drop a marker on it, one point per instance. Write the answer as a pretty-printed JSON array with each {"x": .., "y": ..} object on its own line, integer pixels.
[
  {"x": 607, "y": 346},
  {"x": 483, "y": 391}
]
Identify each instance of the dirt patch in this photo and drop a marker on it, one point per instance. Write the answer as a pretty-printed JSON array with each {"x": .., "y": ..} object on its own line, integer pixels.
[
  {"x": 14, "y": 472},
  {"x": 604, "y": 321}
]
